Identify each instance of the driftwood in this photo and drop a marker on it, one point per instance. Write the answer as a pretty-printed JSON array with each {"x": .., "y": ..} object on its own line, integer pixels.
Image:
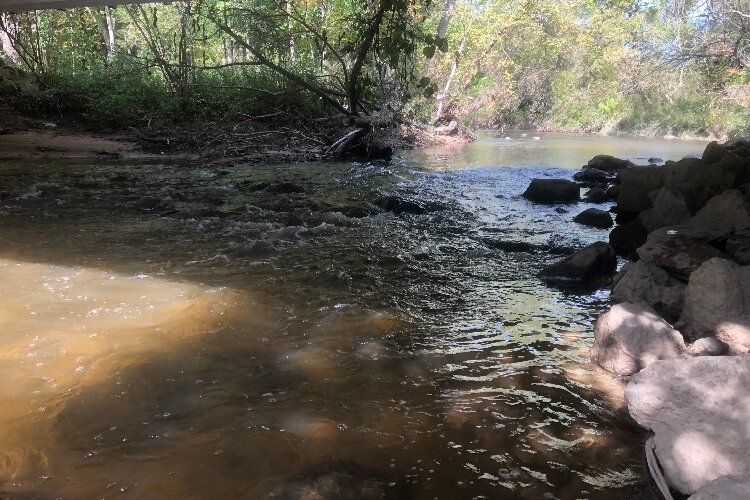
[{"x": 449, "y": 129}]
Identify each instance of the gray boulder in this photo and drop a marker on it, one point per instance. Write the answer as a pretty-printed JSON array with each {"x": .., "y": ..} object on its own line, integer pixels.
[
  {"x": 724, "y": 488},
  {"x": 649, "y": 284},
  {"x": 596, "y": 195},
  {"x": 668, "y": 208},
  {"x": 708, "y": 346},
  {"x": 608, "y": 163},
  {"x": 595, "y": 218},
  {"x": 636, "y": 184},
  {"x": 630, "y": 337},
  {"x": 738, "y": 247},
  {"x": 595, "y": 260},
  {"x": 722, "y": 215},
  {"x": 552, "y": 191},
  {"x": 717, "y": 303},
  {"x": 591, "y": 176},
  {"x": 627, "y": 238},
  {"x": 699, "y": 409},
  {"x": 680, "y": 252}
]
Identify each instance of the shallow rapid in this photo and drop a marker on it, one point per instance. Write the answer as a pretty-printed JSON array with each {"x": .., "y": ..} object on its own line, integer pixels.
[{"x": 182, "y": 331}]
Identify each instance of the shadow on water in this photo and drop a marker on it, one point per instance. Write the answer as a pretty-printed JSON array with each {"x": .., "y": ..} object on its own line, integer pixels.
[{"x": 201, "y": 332}]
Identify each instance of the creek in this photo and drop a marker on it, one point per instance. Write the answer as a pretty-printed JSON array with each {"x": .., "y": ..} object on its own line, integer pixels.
[{"x": 183, "y": 331}]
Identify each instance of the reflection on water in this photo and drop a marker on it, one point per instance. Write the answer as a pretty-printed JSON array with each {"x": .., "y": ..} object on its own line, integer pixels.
[{"x": 175, "y": 331}]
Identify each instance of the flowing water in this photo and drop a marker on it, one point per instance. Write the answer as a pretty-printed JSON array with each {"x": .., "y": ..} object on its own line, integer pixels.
[{"x": 182, "y": 331}]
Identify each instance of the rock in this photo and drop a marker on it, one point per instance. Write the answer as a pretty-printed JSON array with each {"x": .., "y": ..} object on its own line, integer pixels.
[
  {"x": 591, "y": 262},
  {"x": 655, "y": 160},
  {"x": 717, "y": 303},
  {"x": 630, "y": 337},
  {"x": 372, "y": 151},
  {"x": 724, "y": 488},
  {"x": 596, "y": 195},
  {"x": 552, "y": 191},
  {"x": 591, "y": 176},
  {"x": 626, "y": 239},
  {"x": 153, "y": 205},
  {"x": 398, "y": 205},
  {"x": 714, "y": 152},
  {"x": 561, "y": 210},
  {"x": 699, "y": 409},
  {"x": 636, "y": 184},
  {"x": 607, "y": 163},
  {"x": 651, "y": 285},
  {"x": 738, "y": 247},
  {"x": 613, "y": 192},
  {"x": 339, "y": 480},
  {"x": 595, "y": 218},
  {"x": 625, "y": 269},
  {"x": 668, "y": 208},
  {"x": 708, "y": 346},
  {"x": 723, "y": 214},
  {"x": 285, "y": 188},
  {"x": 678, "y": 252}
]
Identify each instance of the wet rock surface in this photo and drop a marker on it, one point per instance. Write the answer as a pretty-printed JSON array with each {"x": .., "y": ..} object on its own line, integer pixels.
[
  {"x": 552, "y": 191},
  {"x": 594, "y": 261},
  {"x": 595, "y": 218}
]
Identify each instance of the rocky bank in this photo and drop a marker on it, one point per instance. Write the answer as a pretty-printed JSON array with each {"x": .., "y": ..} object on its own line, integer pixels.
[{"x": 679, "y": 330}]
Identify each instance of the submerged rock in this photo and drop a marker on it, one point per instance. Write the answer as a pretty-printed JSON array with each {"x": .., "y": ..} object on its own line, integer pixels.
[
  {"x": 552, "y": 191},
  {"x": 717, "y": 303},
  {"x": 699, "y": 409},
  {"x": 595, "y": 218},
  {"x": 632, "y": 336},
  {"x": 595, "y": 260},
  {"x": 339, "y": 480},
  {"x": 398, "y": 205},
  {"x": 651, "y": 285}
]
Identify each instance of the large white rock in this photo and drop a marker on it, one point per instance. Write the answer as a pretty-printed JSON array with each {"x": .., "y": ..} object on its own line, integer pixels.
[
  {"x": 699, "y": 410},
  {"x": 647, "y": 283},
  {"x": 724, "y": 488},
  {"x": 632, "y": 336},
  {"x": 717, "y": 302}
]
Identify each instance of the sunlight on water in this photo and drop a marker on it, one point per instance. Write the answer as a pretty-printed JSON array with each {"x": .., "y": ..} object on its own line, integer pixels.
[
  {"x": 272, "y": 330},
  {"x": 68, "y": 329}
]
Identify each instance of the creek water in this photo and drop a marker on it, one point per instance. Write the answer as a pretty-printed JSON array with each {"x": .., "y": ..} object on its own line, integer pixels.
[{"x": 183, "y": 331}]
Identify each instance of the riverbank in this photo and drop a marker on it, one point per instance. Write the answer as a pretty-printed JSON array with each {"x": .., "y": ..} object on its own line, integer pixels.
[
  {"x": 268, "y": 138},
  {"x": 681, "y": 304}
]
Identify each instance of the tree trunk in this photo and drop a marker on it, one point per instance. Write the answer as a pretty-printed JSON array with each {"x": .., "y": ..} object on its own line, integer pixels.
[
  {"x": 449, "y": 82},
  {"x": 8, "y": 31},
  {"x": 353, "y": 88},
  {"x": 445, "y": 19}
]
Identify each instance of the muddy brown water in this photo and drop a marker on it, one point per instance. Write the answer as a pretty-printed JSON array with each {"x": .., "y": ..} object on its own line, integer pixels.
[{"x": 181, "y": 331}]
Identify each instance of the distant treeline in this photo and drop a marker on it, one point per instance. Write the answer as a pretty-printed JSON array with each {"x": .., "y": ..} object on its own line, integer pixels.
[{"x": 653, "y": 67}]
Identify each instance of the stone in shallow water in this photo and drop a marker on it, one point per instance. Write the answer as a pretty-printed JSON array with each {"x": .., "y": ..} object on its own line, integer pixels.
[
  {"x": 632, "y": 336},
  {"x": 699, "y": 410},
  {"x": 595, "y": 218},
  {"x": 595, "y": 260},
  {"x": 552, "y": 191}
]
